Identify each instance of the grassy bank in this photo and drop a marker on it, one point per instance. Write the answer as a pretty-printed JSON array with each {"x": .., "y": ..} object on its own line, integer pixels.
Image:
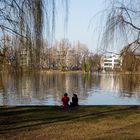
[{"x": 81, "y": 123}]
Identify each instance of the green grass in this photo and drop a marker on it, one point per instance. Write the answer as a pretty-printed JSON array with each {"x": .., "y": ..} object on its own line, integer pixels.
[{"x": 80, "y": 123}]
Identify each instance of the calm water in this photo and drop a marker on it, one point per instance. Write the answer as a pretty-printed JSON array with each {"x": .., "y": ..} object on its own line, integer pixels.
[{"x": 47, "y": 89}]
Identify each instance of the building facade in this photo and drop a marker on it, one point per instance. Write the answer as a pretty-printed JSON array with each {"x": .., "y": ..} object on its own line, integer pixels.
[{"x": 111, "y": 63}]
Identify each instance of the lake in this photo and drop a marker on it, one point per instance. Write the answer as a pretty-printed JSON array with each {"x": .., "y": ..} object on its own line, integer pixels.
[{"x": 47, "y": 88}]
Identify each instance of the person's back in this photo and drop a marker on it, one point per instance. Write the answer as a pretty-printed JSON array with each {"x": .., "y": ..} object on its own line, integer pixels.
[
  {"x": 65, "y": 100},
  {"x": 74, "y": 100}
]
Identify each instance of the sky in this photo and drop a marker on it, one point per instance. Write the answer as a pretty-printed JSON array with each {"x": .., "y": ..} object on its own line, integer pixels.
[{"x": 82, "y": 22}]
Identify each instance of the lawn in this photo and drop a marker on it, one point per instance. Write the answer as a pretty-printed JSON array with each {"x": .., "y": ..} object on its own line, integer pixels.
[{"x": 80, "y": 123}]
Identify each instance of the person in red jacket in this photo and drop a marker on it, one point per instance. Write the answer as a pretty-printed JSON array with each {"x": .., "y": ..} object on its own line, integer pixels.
[{"x": 65, "y": 100}]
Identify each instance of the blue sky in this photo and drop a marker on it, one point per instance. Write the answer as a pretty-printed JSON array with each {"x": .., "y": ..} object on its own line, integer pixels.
[{"x": 81, "y": 24}]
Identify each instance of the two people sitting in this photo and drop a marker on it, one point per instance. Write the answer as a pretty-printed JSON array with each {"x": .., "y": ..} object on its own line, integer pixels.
[{"x": 65, "y": 100}]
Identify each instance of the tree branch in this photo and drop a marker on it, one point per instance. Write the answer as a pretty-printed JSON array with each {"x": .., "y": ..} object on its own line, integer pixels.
[
  {"x": 12, "y": 31},
  {"x": 132, "y": 25}
]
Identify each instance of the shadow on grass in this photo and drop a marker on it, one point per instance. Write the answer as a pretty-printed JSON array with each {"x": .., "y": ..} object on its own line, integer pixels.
[{"x": 17, "y": 118}]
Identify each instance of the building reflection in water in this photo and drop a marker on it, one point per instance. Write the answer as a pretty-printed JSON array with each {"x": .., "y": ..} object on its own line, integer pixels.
[
  {"x": 48, "y": 88},
  {"x": 110, "y": 82},
  {"x": 123, "y": 85}
]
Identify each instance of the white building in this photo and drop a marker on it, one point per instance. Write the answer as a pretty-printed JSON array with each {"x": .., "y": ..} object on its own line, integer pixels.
[{"x": 112, "y": 62}]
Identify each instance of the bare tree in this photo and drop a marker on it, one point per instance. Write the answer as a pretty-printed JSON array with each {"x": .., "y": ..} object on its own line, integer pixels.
[
  {"x": 122, "y": 26},
  {"x": 62, "y": 48},
  {"x": 27, "y": 19},
  {"x": 96, "y": 58},
  {"x": 82, "y": 52}
]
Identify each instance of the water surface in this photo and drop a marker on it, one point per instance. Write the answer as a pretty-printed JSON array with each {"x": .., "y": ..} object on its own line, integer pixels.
[{"x": 48, "y": 88}]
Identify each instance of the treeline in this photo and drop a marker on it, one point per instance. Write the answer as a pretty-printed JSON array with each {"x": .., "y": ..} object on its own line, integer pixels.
[{"x": 62, "y": 55}]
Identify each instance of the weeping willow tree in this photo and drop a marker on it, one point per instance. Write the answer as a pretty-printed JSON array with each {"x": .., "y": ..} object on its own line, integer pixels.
[
  {"x": 27, "y": 20},
  {"x": 122, "y": 24},
  {"x": 122, "y": 31}
]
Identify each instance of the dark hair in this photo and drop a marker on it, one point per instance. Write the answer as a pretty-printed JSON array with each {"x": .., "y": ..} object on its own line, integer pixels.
[
  {"x": 66, "y": 94},
  {"x": 75, "y": 95}
]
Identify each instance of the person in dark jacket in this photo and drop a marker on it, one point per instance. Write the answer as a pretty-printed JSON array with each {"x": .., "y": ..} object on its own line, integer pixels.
[{"x": 74, "y": 100}]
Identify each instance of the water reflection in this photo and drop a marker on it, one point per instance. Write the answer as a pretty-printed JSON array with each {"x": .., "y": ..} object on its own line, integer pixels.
[{"x": 48, "y": 88}]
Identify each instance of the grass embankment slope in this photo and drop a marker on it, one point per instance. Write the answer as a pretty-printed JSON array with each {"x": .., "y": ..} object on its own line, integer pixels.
[{"x": 81, "y": 123}]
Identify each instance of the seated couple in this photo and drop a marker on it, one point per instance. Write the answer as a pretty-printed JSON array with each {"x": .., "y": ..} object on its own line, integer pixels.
[{"x": 65, "y": 100}]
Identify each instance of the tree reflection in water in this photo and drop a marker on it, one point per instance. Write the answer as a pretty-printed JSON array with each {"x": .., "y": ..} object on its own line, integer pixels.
[
  {"x": 130, "y": 84},
  {"x": 47, "y": 88}
]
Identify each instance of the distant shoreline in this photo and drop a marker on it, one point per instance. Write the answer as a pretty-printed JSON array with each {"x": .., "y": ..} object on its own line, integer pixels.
[
  {"x": 82, "y": 72},
  {"x": 71, "y": 71}
]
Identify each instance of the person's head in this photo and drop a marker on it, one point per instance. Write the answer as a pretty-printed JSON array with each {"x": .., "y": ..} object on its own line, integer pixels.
[
  {"x": 66, "y": 94},
  {"x": 75, "y": 95}
]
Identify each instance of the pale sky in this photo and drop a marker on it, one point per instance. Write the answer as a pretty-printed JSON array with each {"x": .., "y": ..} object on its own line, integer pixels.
[{"x": 82, "y": 22}]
